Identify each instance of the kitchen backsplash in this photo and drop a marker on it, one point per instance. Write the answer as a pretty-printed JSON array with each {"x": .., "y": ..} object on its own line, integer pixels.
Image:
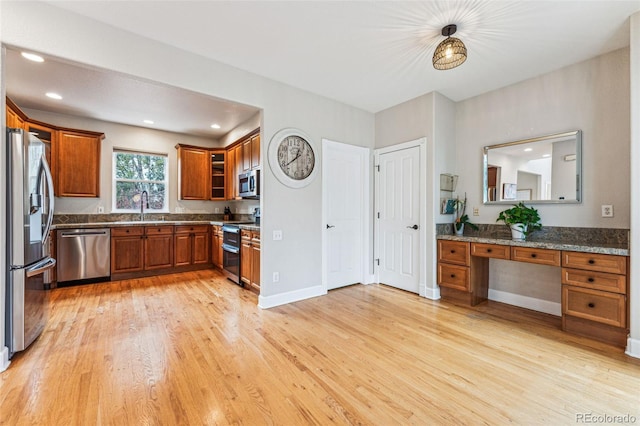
[{"x": 126, "y": 217}]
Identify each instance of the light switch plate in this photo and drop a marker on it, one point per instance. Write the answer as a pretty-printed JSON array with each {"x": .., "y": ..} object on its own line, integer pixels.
[{"x": 277, "y": 235}]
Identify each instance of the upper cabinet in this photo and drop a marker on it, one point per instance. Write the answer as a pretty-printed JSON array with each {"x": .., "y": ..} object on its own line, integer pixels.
[
  {"x": 194, "y": 168},
  {"x": 73, "y": 155},
  {"x": 78, "y": 163},
  {"x": 212, "y": 173}
]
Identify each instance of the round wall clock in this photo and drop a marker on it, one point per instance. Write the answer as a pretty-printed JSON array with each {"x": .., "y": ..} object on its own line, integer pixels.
[{"x": 293, "y": 158}]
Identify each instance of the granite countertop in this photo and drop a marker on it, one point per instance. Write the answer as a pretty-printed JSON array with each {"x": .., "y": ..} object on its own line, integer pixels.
[
  {"x": 242, "y": 224},
  {"x": 553, "y": 245}
]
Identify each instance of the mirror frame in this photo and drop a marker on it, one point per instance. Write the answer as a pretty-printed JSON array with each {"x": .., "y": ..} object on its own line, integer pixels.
[{"x": 577, "y": 134}]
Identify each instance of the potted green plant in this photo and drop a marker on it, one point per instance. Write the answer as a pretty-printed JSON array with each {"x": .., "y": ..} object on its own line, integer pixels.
[
  {"x": 461, "y": 219},
  {"x": 521, "y": 219}
]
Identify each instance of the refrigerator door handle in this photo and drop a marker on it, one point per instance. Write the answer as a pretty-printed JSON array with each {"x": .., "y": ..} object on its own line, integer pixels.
[
  {"x": 44, "y": 168},
  {"x": 40, "y": 267}
]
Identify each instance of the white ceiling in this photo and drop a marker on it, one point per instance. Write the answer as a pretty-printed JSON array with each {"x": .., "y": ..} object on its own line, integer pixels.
[{"x": 369, "y": 54}]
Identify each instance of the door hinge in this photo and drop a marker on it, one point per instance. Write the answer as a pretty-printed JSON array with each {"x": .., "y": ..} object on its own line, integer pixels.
[
  {"x": 377, "y": 261},
  {"x": 378, "y": 215},
  {"x": 377, "y": 167}
]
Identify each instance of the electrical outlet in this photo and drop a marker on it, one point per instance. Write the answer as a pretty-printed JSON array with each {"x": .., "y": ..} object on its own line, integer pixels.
[
  {"x": 100, "y": 209},
  {"x": 476, "y": 211},
  {"x": 277, "y": 235},
  {"x": 607, "y": 210},
  {"x": 217, "y": 210},
  {"x": 276, "y": 277}
]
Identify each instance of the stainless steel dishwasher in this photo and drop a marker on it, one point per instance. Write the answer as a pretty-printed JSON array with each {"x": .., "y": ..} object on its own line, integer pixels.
[{"x": 84, "y": 255}]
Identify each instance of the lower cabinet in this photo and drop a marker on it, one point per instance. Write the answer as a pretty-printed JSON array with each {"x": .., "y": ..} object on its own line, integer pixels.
[
  {"x": 216, "y": 246},
  {"x": 250, "y": 260},
  {"x": 127, "y": 249},
  {"x": 147, "y": 250},
  {"x": 191, "y": 243}
]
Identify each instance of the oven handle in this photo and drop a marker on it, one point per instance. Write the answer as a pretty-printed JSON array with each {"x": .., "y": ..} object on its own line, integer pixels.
[
  {"x": 231, "y": 249},
  {"x": 231, "y": 229}
]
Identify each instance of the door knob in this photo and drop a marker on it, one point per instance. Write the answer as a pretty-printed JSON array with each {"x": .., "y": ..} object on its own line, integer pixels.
[
  {"x": 330, "y": 226},
  {"x": 413, "y": 227}
]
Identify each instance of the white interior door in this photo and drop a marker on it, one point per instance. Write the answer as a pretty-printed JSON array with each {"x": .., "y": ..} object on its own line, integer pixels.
[
  {"x": 398, "y": 208},
  {"x": 344, "y": 192}
]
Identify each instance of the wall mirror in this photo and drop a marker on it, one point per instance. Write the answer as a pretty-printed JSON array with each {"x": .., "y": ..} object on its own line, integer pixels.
[{"x": 546, "y": 169}]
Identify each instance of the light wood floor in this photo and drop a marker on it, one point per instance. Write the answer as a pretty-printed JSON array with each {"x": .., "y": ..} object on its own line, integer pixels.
[{"x": 194, "y": 349}]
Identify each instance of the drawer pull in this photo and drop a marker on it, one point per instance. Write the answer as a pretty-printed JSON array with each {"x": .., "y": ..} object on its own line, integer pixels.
[
  {"x": 489, "y": 250},
  {"x": 591, "y": 261},
  {"x": 590, "y": 279},
  {"x": 591, "y": 305},
  {"x": 453, "y": 251},
  {"x": 453, "y": 275},
  {"x": 127, "y": 231},
  {"x": 533, "y": 255}
]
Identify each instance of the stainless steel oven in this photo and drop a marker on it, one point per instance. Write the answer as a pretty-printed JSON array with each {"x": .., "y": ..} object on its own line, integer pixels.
[{"x": 231, "y": 252}]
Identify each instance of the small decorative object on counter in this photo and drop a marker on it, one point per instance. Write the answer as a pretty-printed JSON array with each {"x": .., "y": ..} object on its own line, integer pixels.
[
  {"x": 227, "y": 214},
  {"x": 521, "y": 219},
  {"x": 461, "y": 217}
]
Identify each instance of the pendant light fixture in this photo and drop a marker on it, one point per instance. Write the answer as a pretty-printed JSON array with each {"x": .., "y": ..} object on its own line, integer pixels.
[{"x": 451, "y": 52}]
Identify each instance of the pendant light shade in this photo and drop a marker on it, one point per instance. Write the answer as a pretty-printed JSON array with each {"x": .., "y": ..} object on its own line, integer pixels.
[{"x": 451, "y": 52}]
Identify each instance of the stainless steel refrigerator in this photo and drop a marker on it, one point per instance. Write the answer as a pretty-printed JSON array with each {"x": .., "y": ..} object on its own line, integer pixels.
[{"x": 29, "y": 216}]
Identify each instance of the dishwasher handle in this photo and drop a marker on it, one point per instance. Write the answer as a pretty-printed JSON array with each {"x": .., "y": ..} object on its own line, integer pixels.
[{"x": 82, "y": 234}]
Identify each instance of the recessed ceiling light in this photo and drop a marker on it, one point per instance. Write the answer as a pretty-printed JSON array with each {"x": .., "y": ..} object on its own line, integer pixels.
[
  {"x": 215, "y": 126},
  {"x": 528, "y": 149},
  {"x": 148, "y": 121},
  {"x": 32, "y": 57},
  {"x": 54, "y": 96},
  {"x": 546, "y": 155}
]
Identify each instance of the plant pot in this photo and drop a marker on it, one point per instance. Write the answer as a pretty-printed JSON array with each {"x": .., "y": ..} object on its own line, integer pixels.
[
  {"x": 458, "y": 231},
  {"x": 517, "y": 231}
]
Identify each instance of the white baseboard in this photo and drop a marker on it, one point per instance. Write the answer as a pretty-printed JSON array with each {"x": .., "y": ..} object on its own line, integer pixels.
[
  {"x": 4, "y": 359},
  {"x": 266, "y": 302},
  {"x": 553, "y": 308},
  {"x": 633, "y": 347},
  {"x": 430, "y": 293},
  {"x": 369, "y": 279}
]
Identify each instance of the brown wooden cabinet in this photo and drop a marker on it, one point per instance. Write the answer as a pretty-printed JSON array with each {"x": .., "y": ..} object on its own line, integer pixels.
[
  {"x": 232, "y": 177},
  {"x": 73, "y": 155},
  {"x": 218, "y": 175},
  {"x": 127, "y": 250},
  {"x": 77, "y": 161},
  {"x": 250, "y": 260},
  {"x": 191, "y": 245},
  {"x": 216, "y": 246},
  {"x": 158, "y": 247},
  {"x": 194, "y": 164},
  {"x": 255, "y": 152},
  {"x": 594, "y": 296}
]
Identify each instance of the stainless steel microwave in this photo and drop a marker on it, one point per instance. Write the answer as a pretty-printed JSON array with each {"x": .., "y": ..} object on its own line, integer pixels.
[{"x": 249, "y": 184}]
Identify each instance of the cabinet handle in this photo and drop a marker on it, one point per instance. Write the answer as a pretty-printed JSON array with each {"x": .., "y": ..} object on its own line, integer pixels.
[
  {"x": 591, "y": 261},
  {"x": 452, "y": 251},
  {"x": 453, "y": 275},
  {"x": 533, "y": 255},
  {"x": 590, "y": 279},
  {"x": 489, "y": 250},
  {"x": 591, "y": 305},
  {"x": 127, "y": 231}
]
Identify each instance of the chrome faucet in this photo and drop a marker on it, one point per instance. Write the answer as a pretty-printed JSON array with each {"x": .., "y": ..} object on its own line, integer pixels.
[{"x": 142, "y": 204}]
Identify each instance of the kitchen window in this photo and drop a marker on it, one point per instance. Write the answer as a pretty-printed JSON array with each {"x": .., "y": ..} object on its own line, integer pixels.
[{"x": 134, "y": 172}]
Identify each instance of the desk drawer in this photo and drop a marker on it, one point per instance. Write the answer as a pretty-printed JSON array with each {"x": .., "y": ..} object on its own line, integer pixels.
[
  {"x": 453, "y": 252},
  {"x": 595, "y": 262},
  {"x": 599, "y": 306},
  {"x": 453, "y": 276},
  {"x": 536, "y": 255},
  {"x": 494, "y": 251},
  {"x": 595, "y": 280}
]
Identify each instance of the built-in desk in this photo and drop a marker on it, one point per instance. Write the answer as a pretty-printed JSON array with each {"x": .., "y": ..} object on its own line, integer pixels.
[{"x": 594, "y": 280}]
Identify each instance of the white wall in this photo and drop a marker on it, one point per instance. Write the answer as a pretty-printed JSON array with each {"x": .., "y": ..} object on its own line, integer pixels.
[
  {"x": 297, "y": 212},
  {"x": 4, "y": 351},
  {"x": 592, "y": 96}
]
